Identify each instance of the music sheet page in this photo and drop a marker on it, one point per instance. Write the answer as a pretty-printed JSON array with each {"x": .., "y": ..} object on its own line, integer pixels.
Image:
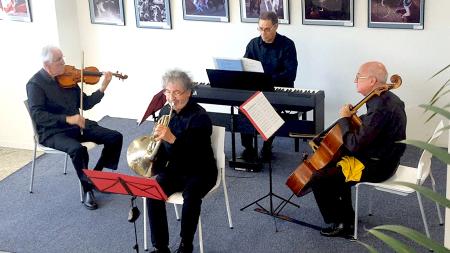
[{"x": 262, "y": 115}]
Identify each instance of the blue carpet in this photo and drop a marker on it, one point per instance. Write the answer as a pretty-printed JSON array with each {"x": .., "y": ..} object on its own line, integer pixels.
[{"x": 52, "y": 219}]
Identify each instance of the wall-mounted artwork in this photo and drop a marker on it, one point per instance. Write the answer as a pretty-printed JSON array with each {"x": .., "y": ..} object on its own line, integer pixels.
[
  {"x": 109, "y": 12},
  {"x": 251, "y": 9},
  {"x": 153, "y": 14},
  {"x": 18, "y": 10},
  {"x": 206, "y": 10},
  {"x": 327, "y": 12},
  {"x": 407, "y": 14}
]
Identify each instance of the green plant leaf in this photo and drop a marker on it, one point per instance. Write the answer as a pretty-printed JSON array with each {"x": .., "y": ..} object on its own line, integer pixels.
[
  {"x": 437, "y": 110},
  {"x": 437, "y": 97},
  {"x": 438, "y": 152},
  {"x": 368, "y": 247},
  {"x": 440, "y": 71},
  {"x": 414, "y": 236},
  {"x": 427, "y": 192},
  {"x": 395, "y": 244}
]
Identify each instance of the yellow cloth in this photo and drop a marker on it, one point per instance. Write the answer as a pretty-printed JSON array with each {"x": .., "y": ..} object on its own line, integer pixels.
[{"x": 352, "y": 168}]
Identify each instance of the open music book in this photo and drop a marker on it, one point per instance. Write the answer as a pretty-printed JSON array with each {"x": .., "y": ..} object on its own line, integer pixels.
[
  {"x": 262, "y": 115},
  {"x": 242, "y": 64}
]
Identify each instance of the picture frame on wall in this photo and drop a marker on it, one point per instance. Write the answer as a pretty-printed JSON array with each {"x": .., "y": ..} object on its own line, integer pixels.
[
  {"x": 153, "y": 14},
  {"x": 403, "y": 14},
  {"x": 251, "y": 9},
  {"x": 206, "y": 10},
  {"x": 108, "y": 12},
  {"x": 328, "y": 12},
  {"x": 17, "y": 10}
]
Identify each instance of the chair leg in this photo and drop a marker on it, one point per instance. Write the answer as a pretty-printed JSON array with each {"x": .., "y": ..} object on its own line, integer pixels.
[
  {"x": 370, "y": 202},
  {"x": 32, "y": 167},
  {"x": 176, "y": 212},
  {"x": 355, "y": 233},
  {"x": 144, "y": 203},
  {"x": 433, "y": 185},
  {"x": 200, "y": 234},
  {"x": 81, "y": 192},
  {"x": 65, "y": 164},
  {"x": 227, "y": 203},
  {"x": 424, "y": 219}
]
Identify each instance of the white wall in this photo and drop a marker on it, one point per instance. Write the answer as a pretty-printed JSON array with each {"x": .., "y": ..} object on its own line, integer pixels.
[{"x": 328, "y": 56}]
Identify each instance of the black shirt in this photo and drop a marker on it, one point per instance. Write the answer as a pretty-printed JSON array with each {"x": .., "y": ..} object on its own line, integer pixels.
[
  {"x": 50, "y": 104},
  {"x": 375, "y": 142},
  {"x": 191, "y": 153},
  {"x": 279, "y": 58}
]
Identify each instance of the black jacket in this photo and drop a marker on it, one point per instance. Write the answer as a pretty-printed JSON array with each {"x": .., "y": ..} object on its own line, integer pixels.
[
  {"x": 191, "y": 153},
  {"x": 50, "y": 104},
  {"x": 375, "y": 143}
]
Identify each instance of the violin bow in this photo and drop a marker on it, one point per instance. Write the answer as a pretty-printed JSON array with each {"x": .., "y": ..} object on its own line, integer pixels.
[{"x": 82, "y": 86}]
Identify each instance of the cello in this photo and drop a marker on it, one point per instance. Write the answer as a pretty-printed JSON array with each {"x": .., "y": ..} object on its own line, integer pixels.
[{"x": 328, "y": 149}]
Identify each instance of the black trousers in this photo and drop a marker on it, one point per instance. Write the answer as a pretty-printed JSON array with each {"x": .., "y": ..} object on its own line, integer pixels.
[
  {"x": 194, "y": 188},
  {"x": 70, "y": 143},
  {"x": 333, "y": 195}
]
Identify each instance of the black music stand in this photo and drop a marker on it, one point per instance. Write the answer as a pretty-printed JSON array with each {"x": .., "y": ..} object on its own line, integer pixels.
[
  {"x": 126, "y": 185},
  {"x": 266, "y": 121}
]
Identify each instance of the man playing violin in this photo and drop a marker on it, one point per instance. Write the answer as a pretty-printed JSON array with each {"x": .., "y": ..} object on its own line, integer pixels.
[
  {"x": 371, "y": 152},
  {"x": 56, "y": 112}
]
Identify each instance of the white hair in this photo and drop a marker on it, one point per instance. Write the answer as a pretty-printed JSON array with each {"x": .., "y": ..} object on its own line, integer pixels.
[{"x": 47, "y": 53}]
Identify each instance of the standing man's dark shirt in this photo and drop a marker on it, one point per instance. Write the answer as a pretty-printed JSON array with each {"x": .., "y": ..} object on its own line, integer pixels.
[{"x": 279, "y": 59}]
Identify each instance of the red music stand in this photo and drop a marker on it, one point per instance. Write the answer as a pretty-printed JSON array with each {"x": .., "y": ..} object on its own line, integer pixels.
[
  {"x": 155, "y": 105},
  {"x": 126, "y": 184}
]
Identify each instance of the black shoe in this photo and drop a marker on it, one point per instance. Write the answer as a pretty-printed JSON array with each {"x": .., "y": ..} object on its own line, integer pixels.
[
  {"x": 162, "y": 250},
  {"x": 185, "y": 248},
  {"x": 338, "y": 230},
  {"x": 249, "y": 154},
  {"x": 89, "y": 201}
]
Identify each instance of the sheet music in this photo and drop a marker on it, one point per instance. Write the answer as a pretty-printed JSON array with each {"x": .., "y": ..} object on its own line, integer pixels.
[
  {"x": 228, "y": 64},
  {"x": 262, "y": 115},
  {"x": 251, "y": 65}
]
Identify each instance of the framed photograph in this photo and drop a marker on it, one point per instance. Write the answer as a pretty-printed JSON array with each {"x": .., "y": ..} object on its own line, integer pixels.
[
  {"x": 206, "y": 10},
  {"x": 251, "y": 9},
  {"x": 406, "y": 14},
  {"x": 108, "y": 12},
  {"x": 153, "y": 14},
  {"x": 18, "y": 10},
  {"x": 327, "y": 12}
]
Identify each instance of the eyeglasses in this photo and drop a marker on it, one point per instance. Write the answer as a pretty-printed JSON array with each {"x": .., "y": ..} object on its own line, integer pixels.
[
  {"x": 267, "y": 29},
  {"x": 175, "y": 93},
  {"x": 357, "y": 77},
  {"x": 60, "y": 59}
]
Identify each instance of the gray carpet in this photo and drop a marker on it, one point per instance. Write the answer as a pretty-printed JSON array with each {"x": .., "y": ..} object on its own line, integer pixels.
[{"x": 52, "y": 219}]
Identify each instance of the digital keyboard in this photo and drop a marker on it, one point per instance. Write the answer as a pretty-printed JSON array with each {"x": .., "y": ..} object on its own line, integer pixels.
[{"x": 282, "y": 99}]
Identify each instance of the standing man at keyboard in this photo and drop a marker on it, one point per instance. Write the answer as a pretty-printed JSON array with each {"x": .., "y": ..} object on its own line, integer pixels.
[{"x": 278, "y": 56}]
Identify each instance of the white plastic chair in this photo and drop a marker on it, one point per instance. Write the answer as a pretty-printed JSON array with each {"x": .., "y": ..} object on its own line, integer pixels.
[
  {"x": 416, "y": 175},
  {"x": 218, "y": 145},
  {"x": 37, "y": 145}
]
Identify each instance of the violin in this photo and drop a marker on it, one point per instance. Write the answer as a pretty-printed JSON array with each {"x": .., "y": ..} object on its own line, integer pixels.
[
  {"x": 327, "y": 145},
  {"x": 91, "y": 75}
]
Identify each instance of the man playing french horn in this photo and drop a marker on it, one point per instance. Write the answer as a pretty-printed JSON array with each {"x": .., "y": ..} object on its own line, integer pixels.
[{"x": 184, "y": 162}]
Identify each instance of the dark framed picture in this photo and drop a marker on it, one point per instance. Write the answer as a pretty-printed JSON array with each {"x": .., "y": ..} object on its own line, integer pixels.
[
  {"x": 406, "y": 14},
  {"x": 153, "y": 14},
  {"x": 17, "y": 10},
  {"x": 108, "y": 12},
  {"x": 206, "y": 10},
  {"x": 327, "y": 12},
  {"x": 251, "y": 9}
]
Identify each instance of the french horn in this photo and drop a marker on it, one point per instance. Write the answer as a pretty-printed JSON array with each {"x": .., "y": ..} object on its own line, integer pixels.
[{"x": 142, "y": 151}]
